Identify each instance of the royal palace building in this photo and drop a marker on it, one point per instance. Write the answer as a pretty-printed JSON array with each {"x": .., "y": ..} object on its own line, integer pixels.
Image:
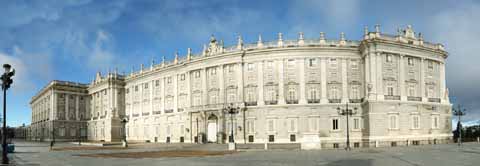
[{"x": 285, "y": 91}]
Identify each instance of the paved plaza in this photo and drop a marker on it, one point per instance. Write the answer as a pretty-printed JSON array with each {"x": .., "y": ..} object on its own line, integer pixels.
[{"x": 34, "y": 153}]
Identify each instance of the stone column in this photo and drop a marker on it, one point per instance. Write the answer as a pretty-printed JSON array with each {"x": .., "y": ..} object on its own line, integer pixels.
[
  {"x": 367, "y": 75},
  {"x": 77, "y": 110},
  {"x": 281, "y": 84},
  {"x": 162, "y": 94},
  {"x": 442, "y": 95},
  {"x": 379, "y": 74},
  {"x": 175, "y": 92},
  {"x": 189, "y": 89},
  {"x": 302, "y": 99},
  {"x": 344, "y": 81},
  {"x": 373, "y": 75},
  {"x": 66, "y": 107},
  {"x": 422, "y": 80},
  {"x": 323, "y": 80},
  {"x": 53, "y": 101},
  {"x": 401, "y": 81},
  {"x": 221, "y": 95},
  {"x": 152, "y": 91},
  {"x": 240, "y": 76},
  {"x": 260, "y": 100},
  {"x": 203, "y": 75}
]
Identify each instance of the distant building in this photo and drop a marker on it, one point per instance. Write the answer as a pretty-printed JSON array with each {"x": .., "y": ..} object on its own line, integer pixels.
[
  {"x": 287, "y": 91},
  {"x": 62, "y": 106}
]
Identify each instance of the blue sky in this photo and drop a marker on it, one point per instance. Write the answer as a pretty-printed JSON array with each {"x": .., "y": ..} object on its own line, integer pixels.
[{"x": 73, "y": 39}]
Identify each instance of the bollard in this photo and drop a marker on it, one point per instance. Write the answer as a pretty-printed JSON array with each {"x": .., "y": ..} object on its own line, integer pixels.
[
  {"x": 478, "y": 139},
  {"x": 265, "y": 146},
  {"x": 376, "y": 144}
]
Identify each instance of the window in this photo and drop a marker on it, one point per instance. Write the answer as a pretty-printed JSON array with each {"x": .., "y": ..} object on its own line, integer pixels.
[
  {"x": 182, "y": 77},
  {"x": 312, "y": 62},
  {"x": 157, "y": 83},
  {"x": 250, "y": 66},
  {"x": 230, "y": 68},
  {"x": 292, "y": 138},
  {"x": 393, "y": 144},
  {"x": 334, "y": 124},
  {"x": 169, "y": 80},
  {"x": 293, "y": 125},
  {"x": 291, "y": 63},
  {"x": 104, "y": 92},
  {"x": 270, "y": 64},
  {"x": 271, "y": 125},
  {"x": 354, "y": 65},
  {"x": 333, "y": 63},
  {"x": 435, "y": 120},
  {"x": 312, "y": 95},
  {"x": 411, "y": 90},
  {"x": 136, "y": 88},
  {"x": 390, "y": 91},
  {"x": 146, "y": 85},
  {"x": 393, "y": 122},
  {"x": 250, "y": 126},
  {"x": 334, "y": 93},
  {"x": 389, "y": 58},
  {"x": 430, "y": 65},
  {"x": 197, "y": 74},
  {"x": 356, "y": 123},
  {"x": 213, "y": 71},
  {"x": 416, "y": 122},
  {"x": 250, "y": 138},
  {"x": 355, "y": 92},
  {"x": 336, "y": 145},
  {"x": 271, "y": 138},
  {"x": 410, "y": 61},
  {"x": 356, "y": 144},
  {"x": 313, "y": 124}
]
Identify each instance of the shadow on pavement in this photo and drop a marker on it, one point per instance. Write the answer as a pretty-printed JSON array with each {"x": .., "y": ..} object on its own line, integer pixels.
[{"x": 356, "y": 162}]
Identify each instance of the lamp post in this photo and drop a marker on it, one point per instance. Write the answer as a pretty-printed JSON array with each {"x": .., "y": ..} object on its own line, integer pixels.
[
  {"x": 124, "y": 123},
  {"x": 232, "y": 111},
  {"x": 6, "y": 82},
  {"x": 347, "y": 112},
  {"x": 459, "y": 112}
]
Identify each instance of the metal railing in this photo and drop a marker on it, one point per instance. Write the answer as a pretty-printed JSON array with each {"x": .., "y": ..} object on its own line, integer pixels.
[
  {"x": 412, "y": 98},
  {"x": 391, "y": 97},
  {"x": 436, "y": 100}
]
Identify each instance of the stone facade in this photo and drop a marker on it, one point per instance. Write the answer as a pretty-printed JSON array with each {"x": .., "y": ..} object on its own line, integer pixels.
[
  {"x": 286, "y": 91},
  {"x": 62, "y": 106}
]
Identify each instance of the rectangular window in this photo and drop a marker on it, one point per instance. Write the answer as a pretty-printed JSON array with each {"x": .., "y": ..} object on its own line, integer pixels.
[
  {"x": 410, "y": 61},
  {"x": 291, "y": 63},
  {"x": 250, "y": 138},
  {"x": 145, "y": 85},
  {"x": 230, "y": 68},
  {"x": 336, "y": 145},
  {"x": 157, "y": 83},
  {"x": 182, "y": 77},
  {"x": 416, "y": 122},
  {"x": 270, "y": 64},
  {"x": 169, "y": 80},
  {"x": 271, "y": 125},
  {"x": 390, "y": 91},
  {"x": 393, "y": 122},
  {"x": 356, "y": 123},
  {"x": 354, "y": 65},
  {"x": 213, "y": 71},
  {"x": 271, "y": 138},
  {"x": 435, "y": 120},
  {"x": 389, "y": 58},
  {"x": 411, "y": 90},
  {"x": 292, "y": 138},
  {"x": 250, "y": 66},
  {"x": 334, "y": 124},
  {"x": 293, "y": 125},
  {"x": 197, "y": 74},
  {"x": 312, "y": 62}
]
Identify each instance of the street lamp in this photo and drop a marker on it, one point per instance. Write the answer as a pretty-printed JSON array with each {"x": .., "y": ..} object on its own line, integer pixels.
[
  {"x": 124, "y": 123},
  {"x": 459, "y": 112},
  {"x": 232, "y": 111},
  {"x": 6, "y": 82},
  {"x": 347, "y": 112}
]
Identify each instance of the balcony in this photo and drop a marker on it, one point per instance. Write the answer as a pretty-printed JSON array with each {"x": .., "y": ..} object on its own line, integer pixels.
[
  {"x": 157, "y": 112},
  {"x": 334, "y": 100},
  {"x": 355, "y": 100},
  {"x": 291, "y": 101},
  {"x": 271, "y": 102},
  {"x": 391, "y": 97},
  {"x": 102, "y": 117},
  {"x": 436, "y": 100},
  {"x": 168, "y": 110},
  {"x": 311, "y": 101},
  {"x": 412, "y": 98},
  {"x": 251, "y": 103},
  {"x": 95, "y": 118},
  {"x": 135, "y": 115},
  {"x": 145, "y": 113},
  {"x": 214, "y": 106},
  {"x": 180, "y": 109}
]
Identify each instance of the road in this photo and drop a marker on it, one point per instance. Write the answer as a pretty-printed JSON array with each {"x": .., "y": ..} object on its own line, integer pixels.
[{"x": 33, "y": 153}]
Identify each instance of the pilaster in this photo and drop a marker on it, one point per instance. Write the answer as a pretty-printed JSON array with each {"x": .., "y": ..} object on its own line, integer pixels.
[
  {"x": 401, "y": 81},
  {"x": 240, "y": 75},
  {"x": 323, "y": 80},
  {"x": 67, "y": 96},
  {"x": 203, "y": 75},
  {"x": 77, "y": 110},
  {"x": 175, "y": 92},
  {"x": 379, "y": 74},
  {"x": 260, "y": 100},
  {"x": 189, "y": 89},
  {"x": 281, "y": 84},
  {"x": 302, "y": 99},
  {"x": 443, "y": 95},
  {"x": 344, "y": 81},
  {"x": 221, "y": 95},
  {"x": 422, "y": 79},
  {"x": 162, "y": 94}
]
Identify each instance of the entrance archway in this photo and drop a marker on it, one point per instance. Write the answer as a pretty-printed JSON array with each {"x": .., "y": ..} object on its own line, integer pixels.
[{"x": 212, "y": 128}]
